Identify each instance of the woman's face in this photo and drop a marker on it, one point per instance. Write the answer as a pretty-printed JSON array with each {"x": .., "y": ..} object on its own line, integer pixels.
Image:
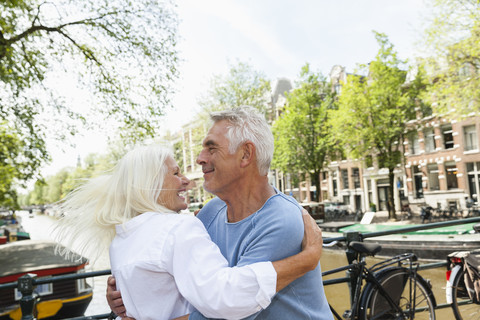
[{"x": 174, "y": 187}]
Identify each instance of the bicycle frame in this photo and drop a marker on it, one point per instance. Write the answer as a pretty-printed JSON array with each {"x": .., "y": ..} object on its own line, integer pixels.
[{"x": 357, "y": 272}]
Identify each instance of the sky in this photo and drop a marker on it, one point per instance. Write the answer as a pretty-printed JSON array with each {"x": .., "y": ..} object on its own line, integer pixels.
[{"x": 276, "y": 37}]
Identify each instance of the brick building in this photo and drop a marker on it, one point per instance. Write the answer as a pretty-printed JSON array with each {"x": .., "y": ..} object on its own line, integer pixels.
[{"x": 443, "y": 161}]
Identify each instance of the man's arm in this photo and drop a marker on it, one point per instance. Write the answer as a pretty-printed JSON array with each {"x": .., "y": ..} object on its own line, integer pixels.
[{"x": 114, "y": 299}]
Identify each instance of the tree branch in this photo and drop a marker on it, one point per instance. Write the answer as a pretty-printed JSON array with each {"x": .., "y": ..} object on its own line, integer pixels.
[{"x": 35, "y": 28}]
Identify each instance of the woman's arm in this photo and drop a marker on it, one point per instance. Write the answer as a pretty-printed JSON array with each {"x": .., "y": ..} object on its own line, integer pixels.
[{"x": 291, "y": 268}]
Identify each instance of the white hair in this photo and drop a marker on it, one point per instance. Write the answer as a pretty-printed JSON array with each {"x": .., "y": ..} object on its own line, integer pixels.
[
  {"x": 246, "y": 124},
  {"x": 91, "y": 211}
]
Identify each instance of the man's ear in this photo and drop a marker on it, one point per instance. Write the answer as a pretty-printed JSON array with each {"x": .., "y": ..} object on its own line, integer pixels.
[{"x": 248, "y": 154}]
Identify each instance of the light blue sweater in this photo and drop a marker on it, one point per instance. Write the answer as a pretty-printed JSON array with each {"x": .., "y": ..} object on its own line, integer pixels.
[{"x": 272, "y": 233}]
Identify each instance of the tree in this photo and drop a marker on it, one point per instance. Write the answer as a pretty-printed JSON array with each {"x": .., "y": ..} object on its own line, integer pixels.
[
  {"x": 119, "y": 53},
  {"x": 241, "y": 86},
  {"x": 373, "y": 111},
  {"x": 453, "y": 37},
  {"x": 54, "y": 186},
  {"x": 302, "y": 133},
  {"x": 11, "y": 150}
]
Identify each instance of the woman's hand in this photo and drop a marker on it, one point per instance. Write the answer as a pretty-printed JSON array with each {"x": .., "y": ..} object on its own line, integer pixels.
[{"x": 312, "y": 239}]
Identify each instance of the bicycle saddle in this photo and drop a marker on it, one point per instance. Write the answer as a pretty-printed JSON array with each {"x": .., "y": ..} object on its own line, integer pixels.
[{"x": 367, "y": 248}]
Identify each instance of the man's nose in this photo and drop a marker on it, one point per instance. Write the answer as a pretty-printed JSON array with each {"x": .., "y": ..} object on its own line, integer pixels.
[{"x": 201, "y": 157}]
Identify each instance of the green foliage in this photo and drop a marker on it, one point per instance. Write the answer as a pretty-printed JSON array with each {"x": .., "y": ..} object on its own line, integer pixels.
[
  {"x": 454, "y": 36},
  {"x": 57, "y": 186},
  {"x": 118, "y": 53},
  {"x": 16, "y": 164},
  {"x": 178, "y": 155},
  {"x": 241, "y": 86},
  {"x": 302, "y": 133}
]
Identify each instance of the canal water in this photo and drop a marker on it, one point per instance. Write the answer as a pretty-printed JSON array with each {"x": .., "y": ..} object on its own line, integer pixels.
[{"x": 39, "y": 228}]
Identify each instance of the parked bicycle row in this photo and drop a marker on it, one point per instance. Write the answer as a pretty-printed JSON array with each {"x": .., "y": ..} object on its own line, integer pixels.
[{"x": 428, "y": 213}]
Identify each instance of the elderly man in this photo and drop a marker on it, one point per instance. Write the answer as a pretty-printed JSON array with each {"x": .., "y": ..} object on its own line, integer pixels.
[{"x": 249, "y": 219}]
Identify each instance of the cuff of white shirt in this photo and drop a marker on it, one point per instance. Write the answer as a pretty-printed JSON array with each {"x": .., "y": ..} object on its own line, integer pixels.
[{"x": 267, "y": 281}]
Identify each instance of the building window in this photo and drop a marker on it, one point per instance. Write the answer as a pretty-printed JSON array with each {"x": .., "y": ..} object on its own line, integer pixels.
[
  {"x": 370, "y": 192},
  {"x": 346, "y": 200},
  {"x": 451, "y": 173},
  {"x": 356, "y": 178},
  {"x": 447, "y": 134},
  {"x": 334, "y": 181},
  {"x": 473, "y": 172},
  {"x": 470, "y": 136},
  {"x": 429, "y": 139},
  {"x": 369, "y": 161},
  {"x": 338, "y": 88},
  {"x": 413, "y": 144},
  {"x": 432, "y": 170},
  {"x": 417, "y": 182},
  {"x": 324, "y": 175},
  {"x": 345, "y": 178}
]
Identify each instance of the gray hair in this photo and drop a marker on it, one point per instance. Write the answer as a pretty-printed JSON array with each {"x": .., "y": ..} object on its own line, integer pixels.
[{"x": 247, "y": 124}]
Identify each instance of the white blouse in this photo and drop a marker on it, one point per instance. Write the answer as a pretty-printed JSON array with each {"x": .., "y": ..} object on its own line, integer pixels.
[{"x": 165, "y": 263}]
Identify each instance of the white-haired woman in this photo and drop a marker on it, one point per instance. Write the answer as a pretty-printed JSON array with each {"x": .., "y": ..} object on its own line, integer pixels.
[{"x": 164, "y": 263}]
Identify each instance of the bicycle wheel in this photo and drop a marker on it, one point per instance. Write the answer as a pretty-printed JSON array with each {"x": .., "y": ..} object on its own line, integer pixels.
[
  {"x": 397, "y": 281},
  {"x": 463, "y": 307}
]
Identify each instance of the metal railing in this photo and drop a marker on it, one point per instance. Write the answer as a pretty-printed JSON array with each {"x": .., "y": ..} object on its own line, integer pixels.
[
  {"x": 26, "y": 283},
  {"x": 357, "y": 236}
]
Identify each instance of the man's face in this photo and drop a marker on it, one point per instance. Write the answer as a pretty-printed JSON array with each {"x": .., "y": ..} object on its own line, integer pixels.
[{"x": 220, "y": 168}]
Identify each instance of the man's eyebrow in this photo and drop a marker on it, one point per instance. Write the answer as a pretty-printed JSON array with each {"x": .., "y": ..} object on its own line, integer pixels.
[{"x": 210, "y": 143}]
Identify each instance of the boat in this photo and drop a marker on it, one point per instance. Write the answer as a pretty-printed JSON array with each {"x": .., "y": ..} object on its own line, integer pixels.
[
  {"x": 59, "y": 300},
  {"x": 430, "y": 244},
  {"x": 11, "y": 229}
]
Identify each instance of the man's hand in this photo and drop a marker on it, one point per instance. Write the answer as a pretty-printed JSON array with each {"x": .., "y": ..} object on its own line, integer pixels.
[
  {"x": 114, "y": 299},
  {"x": 312, "y": 240},
  {"x": 185, "y": 317}
]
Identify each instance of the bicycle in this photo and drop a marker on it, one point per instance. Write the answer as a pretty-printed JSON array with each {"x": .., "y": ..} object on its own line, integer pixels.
[
  {"x": 406, "y": 212},
  {"x": 391, "y": 289},
  {"x": 462, "y": 270},
  {"x": 426, "y": 213},
  {"x": 473, "y": 211}
]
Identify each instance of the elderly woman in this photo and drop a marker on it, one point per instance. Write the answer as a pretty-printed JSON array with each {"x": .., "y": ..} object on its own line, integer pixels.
[{"x": 164, "y": 263}]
